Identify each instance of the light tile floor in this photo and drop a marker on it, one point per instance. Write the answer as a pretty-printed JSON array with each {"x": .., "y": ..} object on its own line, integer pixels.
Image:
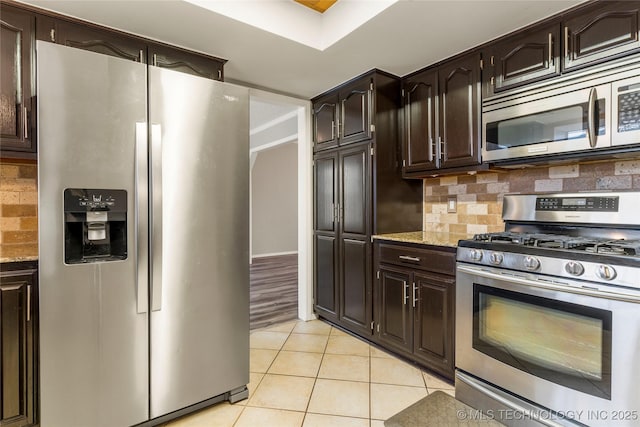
[{"x": 310, "y": 374}]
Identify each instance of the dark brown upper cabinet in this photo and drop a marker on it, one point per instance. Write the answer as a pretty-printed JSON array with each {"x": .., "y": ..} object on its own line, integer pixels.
[
  {"x": 355, "y": 112},
  {"x": 459, "y": 114},
  {"x": 343, "y": 117},
  {"x": 186, "y": 62},
  {"x": 17, "y": 83},
  {"x": 442, "y": 118},
  {"x": 420, "y": 122},
  {"x": 325, "y": 119},
  {"x": 94, "y": 39},
  {"x": 105, "y": 41},
  {"x": 601, "y": 32},
  {"x": 526, "y": 58}
]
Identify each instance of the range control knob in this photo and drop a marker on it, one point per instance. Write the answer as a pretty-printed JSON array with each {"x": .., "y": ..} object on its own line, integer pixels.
[
  {"x": 574, "y": 268},
  {"x": 606, "y": 272},
  {"x": 496, "y": 258},
  {"x": 531, "y": 263},
  {"x": 475, "y": 255}
]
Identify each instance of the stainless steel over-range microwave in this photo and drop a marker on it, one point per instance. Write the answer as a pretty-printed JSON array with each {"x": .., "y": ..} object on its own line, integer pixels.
[{"x": 592, "y": 111}]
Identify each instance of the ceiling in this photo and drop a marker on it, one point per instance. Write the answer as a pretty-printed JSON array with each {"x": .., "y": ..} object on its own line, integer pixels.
[{"x": 402, "y": 38}]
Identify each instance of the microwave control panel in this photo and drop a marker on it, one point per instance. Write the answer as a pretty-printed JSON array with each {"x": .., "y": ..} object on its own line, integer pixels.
[
  {"x": 591, "y": 204},
  {"x": 629, "y": 108}
]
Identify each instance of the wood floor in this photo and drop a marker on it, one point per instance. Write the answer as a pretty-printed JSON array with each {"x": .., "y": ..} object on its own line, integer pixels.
[{"x": 273, "y": 291}]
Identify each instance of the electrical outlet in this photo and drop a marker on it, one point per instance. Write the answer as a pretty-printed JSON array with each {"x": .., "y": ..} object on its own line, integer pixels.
[{"x": 452, "y": 204}]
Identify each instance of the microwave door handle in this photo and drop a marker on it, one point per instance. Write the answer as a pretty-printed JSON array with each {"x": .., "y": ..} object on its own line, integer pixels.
[{"x": 592, "y": 123}]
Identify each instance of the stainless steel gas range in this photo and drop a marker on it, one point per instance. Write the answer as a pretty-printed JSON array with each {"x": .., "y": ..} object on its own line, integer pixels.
[{"x": 548, "y": 312}]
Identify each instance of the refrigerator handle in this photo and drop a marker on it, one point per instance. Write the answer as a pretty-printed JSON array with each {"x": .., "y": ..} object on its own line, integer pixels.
[
  {"x": 156, "y": 217},
  {"x": 141, "y": 218}
]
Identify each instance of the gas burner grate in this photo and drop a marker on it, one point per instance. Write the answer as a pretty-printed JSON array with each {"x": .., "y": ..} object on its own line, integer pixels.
[
  {"x": 616, "y": 247},
  {"x": 559, "y": 241}
]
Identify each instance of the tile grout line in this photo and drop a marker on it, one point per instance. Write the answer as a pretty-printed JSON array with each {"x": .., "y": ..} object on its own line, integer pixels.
[{"x": 324, "y": 351}]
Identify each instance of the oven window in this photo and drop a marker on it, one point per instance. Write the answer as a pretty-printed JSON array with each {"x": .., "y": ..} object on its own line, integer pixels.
[
  {"x": 561, "y": 124},
  {"x": 564, "y": 343}
]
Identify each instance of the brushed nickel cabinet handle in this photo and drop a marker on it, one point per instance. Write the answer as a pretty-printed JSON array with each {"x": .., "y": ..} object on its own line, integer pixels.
[
  {"x": 333, "y": 129},
  {"x": 415, "y": 288},
  {"x": 25, "y": 123},
  {"x": 409, "y": 258},
  {"x": 566, "y": 42},
  {"x": 28, "y": 303},
  {"x": 404, "y": 292}
]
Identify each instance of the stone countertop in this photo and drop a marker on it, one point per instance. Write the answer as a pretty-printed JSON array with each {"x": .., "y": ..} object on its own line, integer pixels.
[
  {"x": 424, "y": 238},
  {"x": 17, "y": 259}
]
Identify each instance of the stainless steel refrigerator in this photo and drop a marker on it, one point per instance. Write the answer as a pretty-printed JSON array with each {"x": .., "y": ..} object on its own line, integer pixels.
[{"x": 143, "y": 251}]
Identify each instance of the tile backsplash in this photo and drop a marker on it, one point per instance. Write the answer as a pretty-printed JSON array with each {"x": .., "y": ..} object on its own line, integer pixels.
[
  {"x": 479, "y": 196},
  {"x": 18, "y": 211}
]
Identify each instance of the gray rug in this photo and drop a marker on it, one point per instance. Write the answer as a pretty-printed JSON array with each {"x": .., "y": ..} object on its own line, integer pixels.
[{"x": 439, "y": 410}]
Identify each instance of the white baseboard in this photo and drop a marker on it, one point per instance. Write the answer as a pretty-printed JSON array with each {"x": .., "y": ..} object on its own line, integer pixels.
[{"x": 275, "y": 254}]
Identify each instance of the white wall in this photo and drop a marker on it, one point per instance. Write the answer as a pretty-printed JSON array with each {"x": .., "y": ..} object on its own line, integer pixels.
[{"x": 274, "y": 200}]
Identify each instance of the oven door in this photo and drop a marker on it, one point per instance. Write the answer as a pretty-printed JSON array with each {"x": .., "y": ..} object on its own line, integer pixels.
[
  {"x": 567, "y": 346},
  {"x": 543, "y": 124}
]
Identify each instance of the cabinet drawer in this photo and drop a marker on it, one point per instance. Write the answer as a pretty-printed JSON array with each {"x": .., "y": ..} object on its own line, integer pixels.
[{"x": 420, "y": 258}]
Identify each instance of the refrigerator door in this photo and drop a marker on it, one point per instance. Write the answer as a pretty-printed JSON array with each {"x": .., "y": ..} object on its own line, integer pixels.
[
  {"x": 93, "y": 316},
  {"x": 200, "y": 239}
]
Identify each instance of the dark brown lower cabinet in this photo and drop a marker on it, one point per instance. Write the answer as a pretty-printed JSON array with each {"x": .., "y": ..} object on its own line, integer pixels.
[
  {"x": 415, "y": 297},
  {"x": 18, "y": 344}
]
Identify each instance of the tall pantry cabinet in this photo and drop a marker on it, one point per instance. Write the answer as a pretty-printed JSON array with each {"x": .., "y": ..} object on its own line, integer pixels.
[{"x": 358, "y": 192}]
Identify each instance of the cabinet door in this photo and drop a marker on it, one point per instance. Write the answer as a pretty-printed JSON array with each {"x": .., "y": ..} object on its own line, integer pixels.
[
  {"x": 433, "y": 298},
  {"x": 459, "y": 84},
  {"x": 326, "y": 192},
  {"x": 395, "y": 317},
  {"x": 186, "y": 62},
  {"x": 17, "y": 349},
  {"x": 325, "y": 235},
  {"x": 605, "y": 30},
  {"x": 325, "y": 271},
  {"x": 355, "y": 112},
  {"x": 16, "y": 81},
  {"x": 355, "y": 284},
  {"x": 325, "y": 122},
  {"x": 94, "y": 39},
  {"x": 525, "y": 58},
  {"x": 355, "y": 191},
  {"x": 420, "y": 97}
]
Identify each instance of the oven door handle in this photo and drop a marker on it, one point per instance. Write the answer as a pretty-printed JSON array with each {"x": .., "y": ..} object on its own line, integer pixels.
[{"x": 585, "y": 290}]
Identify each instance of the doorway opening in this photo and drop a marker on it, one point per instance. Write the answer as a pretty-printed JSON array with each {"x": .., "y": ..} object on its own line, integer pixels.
[{"x": 280, "y": 209}]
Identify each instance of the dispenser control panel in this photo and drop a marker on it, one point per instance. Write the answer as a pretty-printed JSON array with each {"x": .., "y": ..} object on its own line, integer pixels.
[{"x": 83, "y": 200}]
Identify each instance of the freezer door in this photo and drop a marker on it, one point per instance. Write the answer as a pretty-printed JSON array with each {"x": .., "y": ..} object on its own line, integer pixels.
[
  {"x": 93, "y": 316},
  {"x": 200, "y": 239}
]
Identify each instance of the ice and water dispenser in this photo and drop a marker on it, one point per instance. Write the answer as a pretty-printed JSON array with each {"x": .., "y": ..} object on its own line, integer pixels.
[{"x": 95, "y": 225}]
